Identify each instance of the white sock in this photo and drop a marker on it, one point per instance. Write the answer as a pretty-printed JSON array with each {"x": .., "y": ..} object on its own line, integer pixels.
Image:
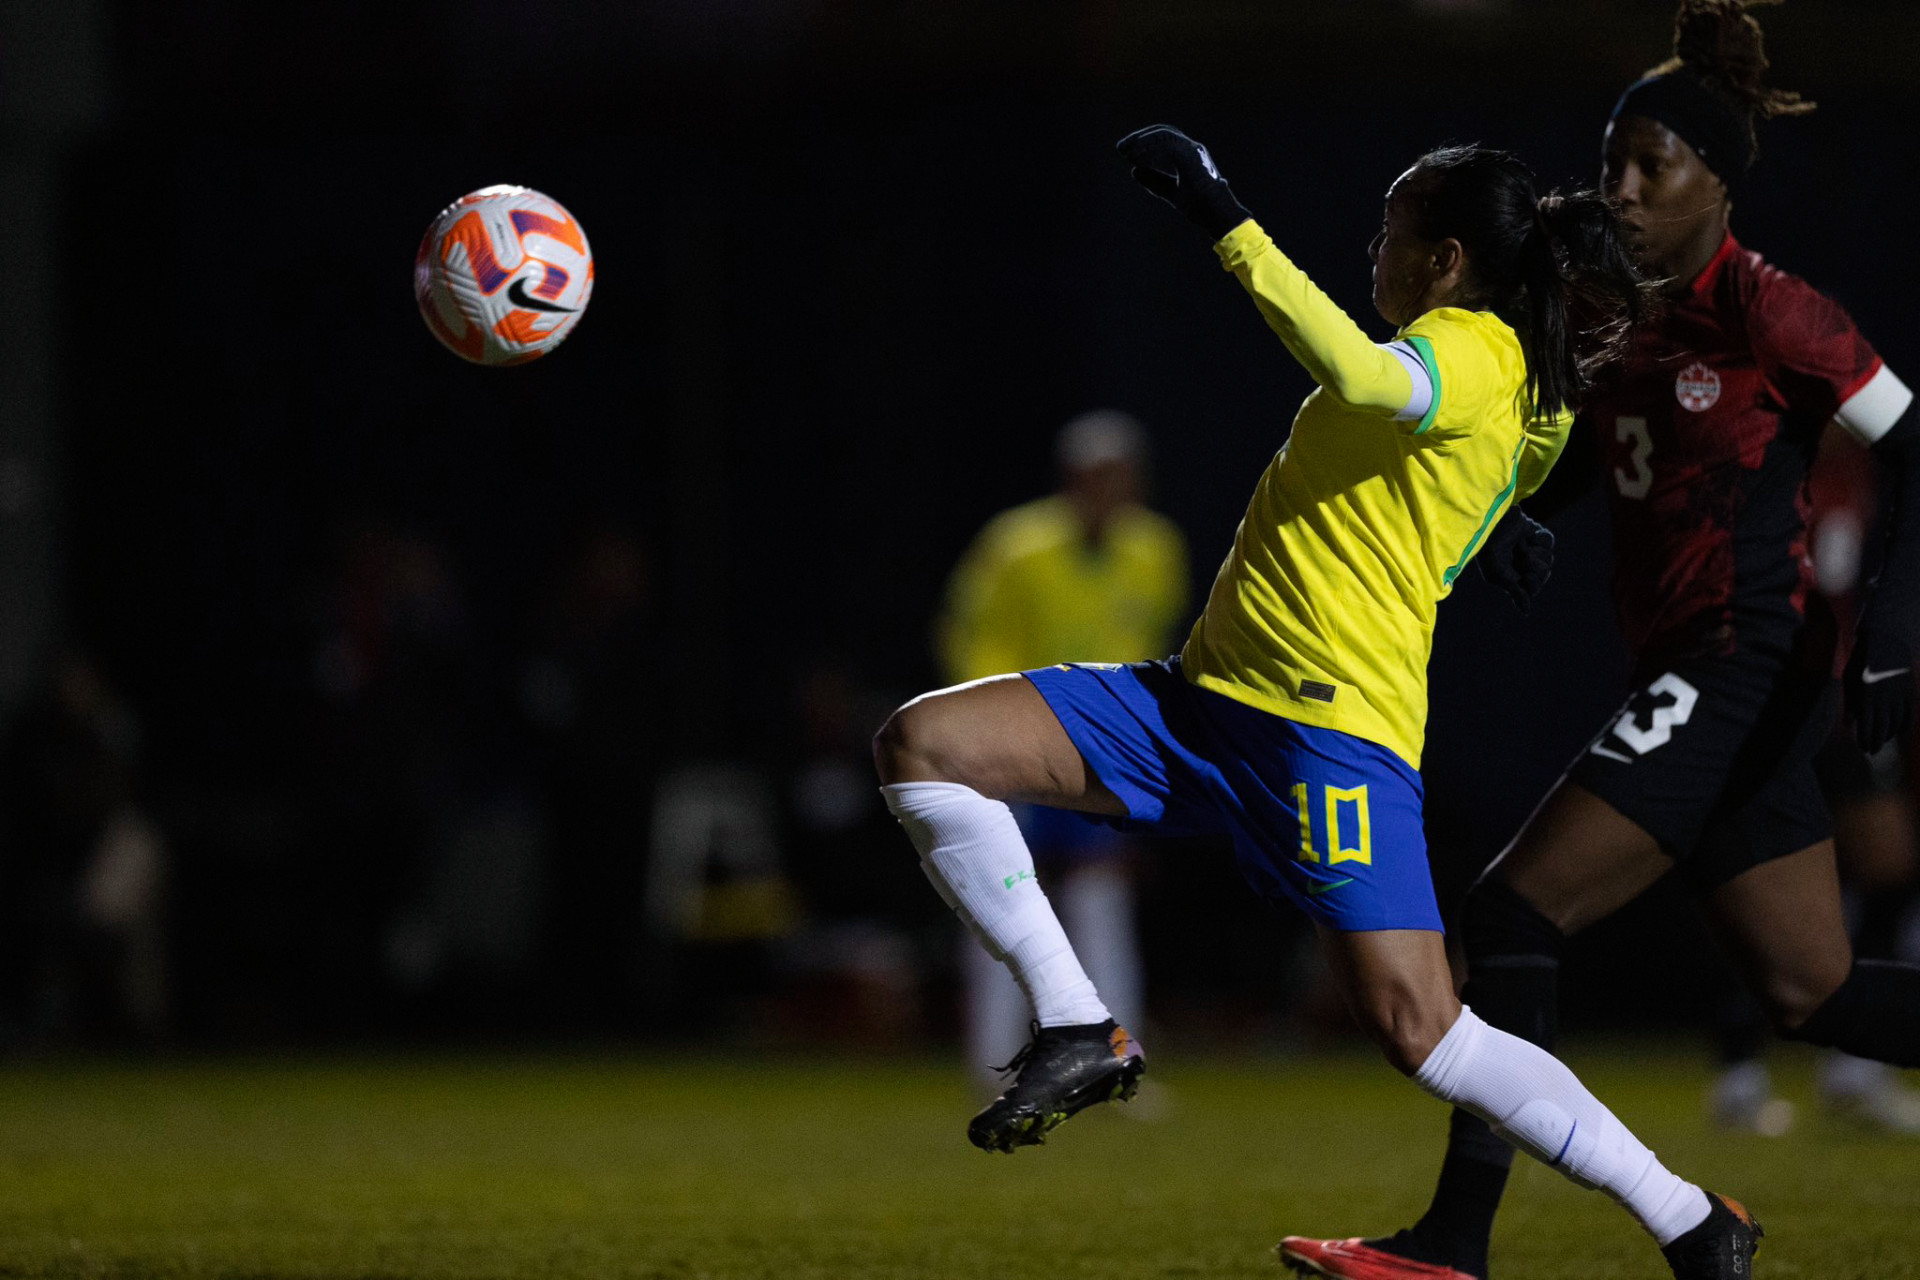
[
  {"x": 1534, "y": 1102},
  {"x": 976, "y": 857}
]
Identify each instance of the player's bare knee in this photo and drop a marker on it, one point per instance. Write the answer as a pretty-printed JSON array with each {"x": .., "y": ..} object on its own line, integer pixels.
[
  {"x": 904, "y": 749},
  {"x": 1414, "y": 1040},
  {"x": 1405, "y": 1027},
  {"x": 1791, "y": 998},
  {"x": 918, "y": 744}
]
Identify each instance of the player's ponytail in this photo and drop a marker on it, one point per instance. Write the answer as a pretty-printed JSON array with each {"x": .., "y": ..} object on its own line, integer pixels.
[
  {"x": 1551, "y": 267},
  {"x": 1584, "y": 294}
]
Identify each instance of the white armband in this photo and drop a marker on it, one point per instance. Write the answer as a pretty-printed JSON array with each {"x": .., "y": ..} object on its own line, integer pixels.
[
  {"x": 1421, "y": 398},
  {"x": 1870, "y": 412}
]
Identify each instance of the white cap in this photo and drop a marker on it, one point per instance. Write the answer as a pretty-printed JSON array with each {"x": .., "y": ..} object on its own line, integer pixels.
[{"x": 1102, "y": 436}]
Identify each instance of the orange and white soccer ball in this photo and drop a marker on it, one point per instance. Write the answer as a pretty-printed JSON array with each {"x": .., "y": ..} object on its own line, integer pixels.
[{"x": 503, "y": 275}]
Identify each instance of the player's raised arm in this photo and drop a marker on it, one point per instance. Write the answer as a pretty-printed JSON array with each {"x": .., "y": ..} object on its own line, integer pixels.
[{"x": 1392, "y": 381}]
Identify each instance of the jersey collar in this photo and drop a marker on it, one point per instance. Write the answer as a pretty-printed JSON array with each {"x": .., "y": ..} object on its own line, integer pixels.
[{"x": 1703, "y": 283}]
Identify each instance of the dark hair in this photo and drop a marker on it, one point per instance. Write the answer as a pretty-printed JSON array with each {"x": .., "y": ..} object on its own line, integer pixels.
[
  {"x": 1552, "y": 267},
  {"x": 1722, "y": 44}
]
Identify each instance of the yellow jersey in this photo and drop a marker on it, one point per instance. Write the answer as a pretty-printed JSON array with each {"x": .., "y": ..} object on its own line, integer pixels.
[
  {"x": 1031, "y": 592},
  {"x": 1323, "y": 612}
]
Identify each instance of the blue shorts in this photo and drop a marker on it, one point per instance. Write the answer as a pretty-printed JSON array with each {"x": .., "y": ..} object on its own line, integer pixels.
[
  {"x": 1065, "y": 838},
  {"x": 1323, "y": 819}
]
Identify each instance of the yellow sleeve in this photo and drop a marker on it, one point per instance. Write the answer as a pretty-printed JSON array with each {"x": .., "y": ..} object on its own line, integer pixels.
[
  {"x": 980, "y": 616},
  {"x": 1546, "y": 437},
  {"x": 1322, "y": 337}
]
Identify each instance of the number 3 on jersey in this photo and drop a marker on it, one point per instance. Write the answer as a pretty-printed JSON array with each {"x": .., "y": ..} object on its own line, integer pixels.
[
  {"x": 1665, "y": 705},
  {"x": 1631, "y": 429},
  {"x": 1350, "y": 840}
]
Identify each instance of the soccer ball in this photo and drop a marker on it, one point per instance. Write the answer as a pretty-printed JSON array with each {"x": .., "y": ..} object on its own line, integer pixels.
[{"x": 502, "y": 275}]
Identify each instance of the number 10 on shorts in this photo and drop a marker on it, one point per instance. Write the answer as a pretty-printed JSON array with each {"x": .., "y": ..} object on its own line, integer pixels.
[{"x": 1349, "y": 828}]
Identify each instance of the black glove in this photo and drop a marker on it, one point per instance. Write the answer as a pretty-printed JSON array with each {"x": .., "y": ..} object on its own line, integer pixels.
[
  {"x": 1879, "y": 684},
  {"x": 1177, "y": 169},
  {"x": 1518, "y": 557}
]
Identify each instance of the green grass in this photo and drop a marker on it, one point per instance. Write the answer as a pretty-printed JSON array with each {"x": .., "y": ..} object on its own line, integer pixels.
[{"x": 840, "y": 1170}]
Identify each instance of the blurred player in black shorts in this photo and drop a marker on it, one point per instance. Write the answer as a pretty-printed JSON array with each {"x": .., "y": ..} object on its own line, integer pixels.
[
  {"x": 1871, "y": 798},
  {"x": 1706, "y": 437}
]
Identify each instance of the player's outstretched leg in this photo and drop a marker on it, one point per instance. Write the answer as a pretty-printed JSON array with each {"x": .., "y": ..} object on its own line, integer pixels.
[
  {"x": 943, "y": 760},
  {"x": 1513, "y": 956},
  {"x": 1783, "y": 924},
  {"x": 1397, "y": 984},
  {"x": 1720, "y": 1248},
  {"x": 1513, "y": 972},
  {"x": 1061, "y": 1072}
]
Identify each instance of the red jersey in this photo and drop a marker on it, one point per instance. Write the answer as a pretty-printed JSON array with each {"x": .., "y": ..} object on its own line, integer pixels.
[{"x": 1708, "y": 432}]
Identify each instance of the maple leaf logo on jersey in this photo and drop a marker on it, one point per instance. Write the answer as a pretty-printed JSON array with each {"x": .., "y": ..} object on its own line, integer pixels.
[{"x": 1697, "y": 387}]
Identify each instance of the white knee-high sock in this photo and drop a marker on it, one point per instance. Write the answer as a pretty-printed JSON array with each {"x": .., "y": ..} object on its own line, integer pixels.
[
  {"x": 976, "y": 857},
  {"x": 1534, "y": 1102}
]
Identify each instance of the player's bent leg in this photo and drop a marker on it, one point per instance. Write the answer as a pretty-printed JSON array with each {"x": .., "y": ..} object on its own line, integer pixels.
[
  {"x": 1513, "y": 974},
  {"x": 1396, "y": 983},
  {"x": 997, "y": 736},
  {"x": 1782, "y": 923},
  {"x": 1399, "y": 987},
  {"x": 1785, "y": 931},
  {"x": 1577, "y": 860},
  {"x": 948, "y": 761}
]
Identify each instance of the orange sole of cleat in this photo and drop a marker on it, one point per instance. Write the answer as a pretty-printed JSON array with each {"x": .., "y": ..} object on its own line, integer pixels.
[{"x": 1352, "y": 1260}]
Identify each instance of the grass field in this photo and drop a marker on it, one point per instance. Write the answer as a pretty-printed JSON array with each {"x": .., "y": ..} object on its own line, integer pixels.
[{"x": 836, "y": 1170}]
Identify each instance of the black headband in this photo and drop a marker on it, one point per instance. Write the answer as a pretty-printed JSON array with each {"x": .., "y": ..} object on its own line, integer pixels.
[{"x": 1718, "y": 130}]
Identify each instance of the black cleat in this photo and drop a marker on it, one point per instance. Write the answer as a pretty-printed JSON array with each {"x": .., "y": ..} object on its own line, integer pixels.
[
  {"x": 1721, "y": 1248},
  {"x": 1063, "y": 1071}
]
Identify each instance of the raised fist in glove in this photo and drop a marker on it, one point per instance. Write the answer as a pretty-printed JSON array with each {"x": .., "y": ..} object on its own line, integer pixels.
[{"x": 1180, "y": 171}]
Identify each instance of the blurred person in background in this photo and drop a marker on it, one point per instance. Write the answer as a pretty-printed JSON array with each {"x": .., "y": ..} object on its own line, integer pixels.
[
  {"x": 402, "y": 720},
  {"x": 590, "y": 692},
  {"x": 858, "y": 967},
  {"x": 1295, "y": 716},
  {"x": 83, "y": 870},
  {"x": 1708, "y": 432},
  {"x": 1087, "y": 573},
  {"x": 665, "y": 900}
]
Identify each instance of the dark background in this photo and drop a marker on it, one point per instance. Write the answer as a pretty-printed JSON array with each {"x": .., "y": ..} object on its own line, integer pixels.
[{"x": 353, "y": 609}]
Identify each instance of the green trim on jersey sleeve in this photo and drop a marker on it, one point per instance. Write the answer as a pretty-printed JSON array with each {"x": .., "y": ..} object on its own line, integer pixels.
[
  {"x": 1473, "y": 544},
  {"x": 1425, "y": 350}
]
